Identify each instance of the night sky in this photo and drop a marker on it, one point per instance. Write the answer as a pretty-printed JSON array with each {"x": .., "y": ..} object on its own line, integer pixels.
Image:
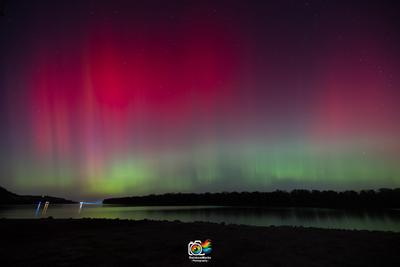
[{"x": 115, "y": 98}]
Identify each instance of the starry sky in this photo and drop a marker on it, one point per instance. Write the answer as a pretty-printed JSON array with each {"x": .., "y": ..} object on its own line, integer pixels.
[{"x": 116, "y": 98}]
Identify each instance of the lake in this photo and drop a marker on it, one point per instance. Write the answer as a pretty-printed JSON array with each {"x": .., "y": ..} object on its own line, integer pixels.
[{"x": 384, "y": 220}]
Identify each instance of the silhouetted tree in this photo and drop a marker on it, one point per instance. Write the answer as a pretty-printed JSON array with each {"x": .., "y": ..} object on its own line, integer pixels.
[{"x": 367, "y": 199}]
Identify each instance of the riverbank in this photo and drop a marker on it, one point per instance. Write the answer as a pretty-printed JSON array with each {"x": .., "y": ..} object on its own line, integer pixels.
[{"x": 99, "y": 242}]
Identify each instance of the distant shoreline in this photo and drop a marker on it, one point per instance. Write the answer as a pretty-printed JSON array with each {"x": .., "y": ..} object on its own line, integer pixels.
[
  {"x": 384, "y": 198},
  {"x": 9, "y": 198},
  {"x": 365, "y": 199},
  {"x": 102, "y": 242}
]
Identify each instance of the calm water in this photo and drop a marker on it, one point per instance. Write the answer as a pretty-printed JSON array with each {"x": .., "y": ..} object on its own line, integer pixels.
[{"x": 388, "y": 220}]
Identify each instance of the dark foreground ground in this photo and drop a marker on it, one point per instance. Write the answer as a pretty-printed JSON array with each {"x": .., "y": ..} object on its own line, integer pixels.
[{"x": 94, "y": 242}]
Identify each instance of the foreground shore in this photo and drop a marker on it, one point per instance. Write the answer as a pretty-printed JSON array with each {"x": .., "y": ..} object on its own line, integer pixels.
[{"x": 98, "y": 242}]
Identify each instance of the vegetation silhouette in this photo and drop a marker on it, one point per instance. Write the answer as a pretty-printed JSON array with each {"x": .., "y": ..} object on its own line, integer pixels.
[
  {"x": 367, "y": 199},
  {"x": 7, "y": 197}
]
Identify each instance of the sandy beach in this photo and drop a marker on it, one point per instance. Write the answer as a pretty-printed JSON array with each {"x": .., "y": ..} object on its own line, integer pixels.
[{"x": 98, "y": 242}]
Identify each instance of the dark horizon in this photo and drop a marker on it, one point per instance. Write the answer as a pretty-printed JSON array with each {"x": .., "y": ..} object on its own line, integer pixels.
[{"x": 347, "y": 199}]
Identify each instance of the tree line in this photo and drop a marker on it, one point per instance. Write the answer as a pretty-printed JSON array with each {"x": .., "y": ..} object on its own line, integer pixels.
[{"x": 382, "y": 198}]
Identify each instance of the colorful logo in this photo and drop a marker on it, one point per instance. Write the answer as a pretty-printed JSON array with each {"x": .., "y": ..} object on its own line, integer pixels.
[{"x": 198, "y": 248}]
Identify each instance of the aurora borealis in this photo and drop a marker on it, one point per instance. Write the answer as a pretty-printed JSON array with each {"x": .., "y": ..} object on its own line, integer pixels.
[{"x": 115, "y": 98}]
